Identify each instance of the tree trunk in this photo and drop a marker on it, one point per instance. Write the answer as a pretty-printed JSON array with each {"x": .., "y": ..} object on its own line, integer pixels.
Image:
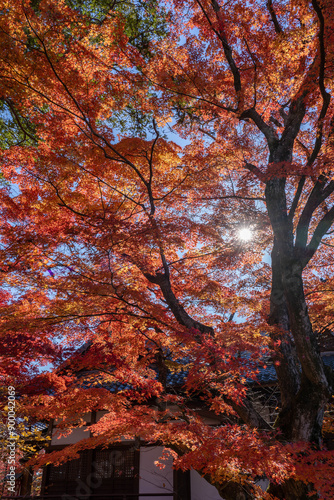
[
  {"x": 303, "y": 384},
  {"x": 304, "y": 420},
  {"x": 304, "y": 391}
]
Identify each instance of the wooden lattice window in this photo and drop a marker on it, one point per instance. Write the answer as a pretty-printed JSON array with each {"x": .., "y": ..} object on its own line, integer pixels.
[
  {"x": 68, "y": 479},
  {"x": 117, "y": 470},
  {"x": 96, "y": 474}
]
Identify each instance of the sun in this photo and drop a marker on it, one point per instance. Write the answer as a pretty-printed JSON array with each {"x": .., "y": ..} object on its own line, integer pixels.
[{"x": 245, "y": 234}]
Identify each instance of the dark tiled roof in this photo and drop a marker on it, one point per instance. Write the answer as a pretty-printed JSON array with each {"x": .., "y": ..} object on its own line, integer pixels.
[
  {"x": 329, "y": 360},
  {"x": 326, "y": 341},
  {"x": 39, "y": 426},
  {"x": 176, "y": 379},
  {"x": 267, "y": 375},
  {"x": 94, "y": 379}
]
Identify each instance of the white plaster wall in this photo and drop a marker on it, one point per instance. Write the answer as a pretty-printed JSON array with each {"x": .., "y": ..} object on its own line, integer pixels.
[
  {"x": 86, "y": 417},
  {"x": 210, "y": 421},
  {"x": 73, "y": 437},
  {"x": 201, "y": 489},
  {"x": 263, "y": 483},
  {"x": 151, "y": 478},
  {"x": 100, "y": 414}
]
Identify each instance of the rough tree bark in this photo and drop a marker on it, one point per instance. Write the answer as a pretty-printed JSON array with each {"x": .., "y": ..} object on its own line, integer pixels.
[{"x": 303, "y": 384}]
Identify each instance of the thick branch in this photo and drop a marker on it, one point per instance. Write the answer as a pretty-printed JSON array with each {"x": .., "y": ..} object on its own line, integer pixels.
[
  {"x": 273, "y": 16},
  {"x": 227, "y": 48},
  {"x": 324, "y": 94},
  {"x": 294, "y": 117},
  {"x": 296, "y": 198},
  {"x": 318, "y": 234},
  {"x": 256, "y": 171},
  {"x": 176, "y": 308},
  {"x": 318, "y": 195},
  {"x": 249, "y": 415},
  {"x": 266, "y": 130}
]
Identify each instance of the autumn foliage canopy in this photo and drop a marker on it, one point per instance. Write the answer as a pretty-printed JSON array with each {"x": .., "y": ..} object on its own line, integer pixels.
[{"x": 137, "y": 141}]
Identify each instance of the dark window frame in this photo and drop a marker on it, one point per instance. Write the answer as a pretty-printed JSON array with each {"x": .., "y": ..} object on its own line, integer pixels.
[
  {"x": 181, "y": 484},
  {"x": 92, "y": 486}
]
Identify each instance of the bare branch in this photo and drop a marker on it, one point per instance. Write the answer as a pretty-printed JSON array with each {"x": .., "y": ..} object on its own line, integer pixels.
[
  {"x": 318, "y": 234},
  {"x": 150, "y": 162},
  {"x": 178, "y": 311},
  {"x": 297, "y": 109},
  {"x": 256, "y": 171},
  {"x": 266, "y": 130},
  {"x": 227, "y": 48},
  {"x": 327, "y": 244},
  {"x": 273, "y": 16},
  {"x": 317, "y": 196},
  {"x": 251, "y": 113},
  {"x": 236, "y": 197},
  {"x": 255, "y": 71},
  {"x": 18, "y": 121},
  {"x": 324, "y": 94},
  {"x": 222, "y": 37},
  {"x": 296, "y": 198},
  {"x": 249, "y": 415}
]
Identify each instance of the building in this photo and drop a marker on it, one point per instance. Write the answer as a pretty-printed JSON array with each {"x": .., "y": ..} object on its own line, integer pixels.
[{"x": 129, "y": 469}]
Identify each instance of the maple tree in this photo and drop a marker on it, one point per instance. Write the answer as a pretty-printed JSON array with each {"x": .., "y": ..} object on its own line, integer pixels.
[{"x": 114, "y": 233}]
